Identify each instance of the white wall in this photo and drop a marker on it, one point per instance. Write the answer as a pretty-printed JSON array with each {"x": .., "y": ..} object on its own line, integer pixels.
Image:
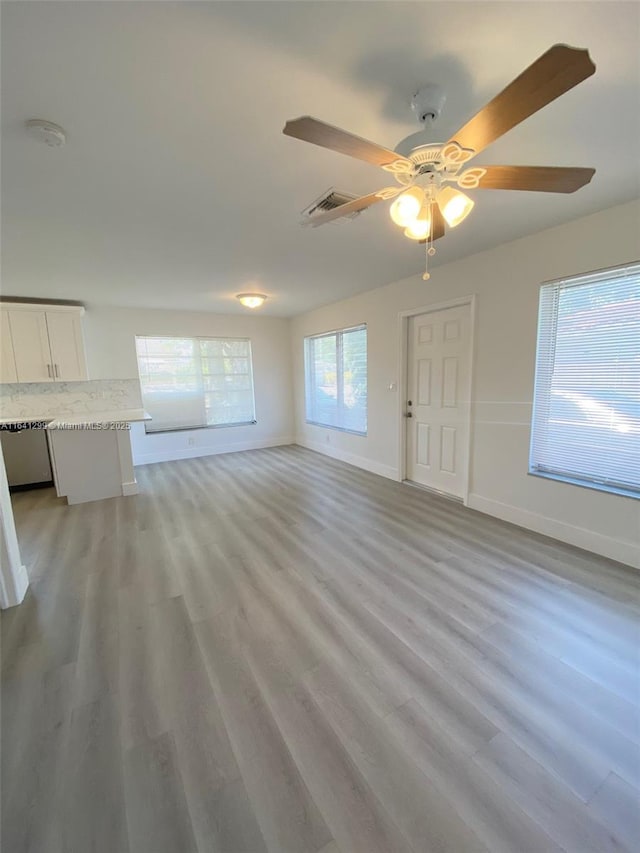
[
  {"x": 110, "y": 343},
  {"x": 506, "y": 283}
]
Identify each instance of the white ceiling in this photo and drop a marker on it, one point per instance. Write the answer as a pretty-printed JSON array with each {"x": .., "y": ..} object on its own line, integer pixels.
[{"x": 177, "y": 189}]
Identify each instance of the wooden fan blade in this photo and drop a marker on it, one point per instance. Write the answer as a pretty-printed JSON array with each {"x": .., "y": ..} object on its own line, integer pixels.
[
  {"x": 437, "y": 224},
  {"x": 310, "y": 129},
  {"x": 345, "y": 209},
  {"x": 554, "y": 73},
  {"x": 545, "y": 179}
]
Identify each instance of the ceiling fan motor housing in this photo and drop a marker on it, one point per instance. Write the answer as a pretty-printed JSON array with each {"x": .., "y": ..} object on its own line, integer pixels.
[
  {"x": 428, "y": 102},
  {"x": 427, "y": 105}
]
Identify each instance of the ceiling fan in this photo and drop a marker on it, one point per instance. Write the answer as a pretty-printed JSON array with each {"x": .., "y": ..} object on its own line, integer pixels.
[{"x": 429, "y": 172}]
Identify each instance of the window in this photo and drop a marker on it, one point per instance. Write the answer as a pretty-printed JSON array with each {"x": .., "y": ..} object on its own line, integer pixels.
[
  {"x": 336, "y": 379},
  {"x": 586, "y": 414},
  {"x": 196, "y": 382}
]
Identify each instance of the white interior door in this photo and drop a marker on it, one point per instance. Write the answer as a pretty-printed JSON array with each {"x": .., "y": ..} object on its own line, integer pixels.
[{"x": 438, "y": 399}]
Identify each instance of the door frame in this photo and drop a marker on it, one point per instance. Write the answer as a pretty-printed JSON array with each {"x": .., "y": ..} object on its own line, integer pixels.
[
  {"x": 14, "y": 579},
  {"x": 403, "y": 324}
]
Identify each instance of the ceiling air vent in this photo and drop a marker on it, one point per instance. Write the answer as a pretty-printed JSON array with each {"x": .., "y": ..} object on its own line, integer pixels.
[{"x": 329, "y": 200}]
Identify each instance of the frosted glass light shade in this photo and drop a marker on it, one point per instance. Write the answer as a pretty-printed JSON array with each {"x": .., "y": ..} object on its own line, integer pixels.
[
  {"x": 454, "y": 205},
  {"x": 251, "y": 300},
  {"x": 421, "y": 226},
  {"x": 407, "y": 206},
  {"x": 418, "y": 230}
]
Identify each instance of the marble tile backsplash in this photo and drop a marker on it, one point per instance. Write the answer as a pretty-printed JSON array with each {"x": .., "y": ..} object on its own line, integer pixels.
[{"x": 35, "y": 400}]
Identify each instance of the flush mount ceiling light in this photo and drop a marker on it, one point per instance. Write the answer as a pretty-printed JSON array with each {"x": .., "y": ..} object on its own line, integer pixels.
[
  {"x": 46, "y": 131},
  {"x": 426, "y": 200},
  {"x": 251, "y": 300}
]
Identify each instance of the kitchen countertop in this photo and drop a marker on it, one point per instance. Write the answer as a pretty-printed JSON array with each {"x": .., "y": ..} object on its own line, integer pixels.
[
  {"x": 21, "y": 419},
  {"x": 108, "y": 417},
  {"x": 127, "y": 416}
]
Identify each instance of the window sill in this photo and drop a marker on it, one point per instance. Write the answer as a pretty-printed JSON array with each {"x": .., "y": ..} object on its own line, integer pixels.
[
  {"x": 587, "y": 484},
  {"x": 336, "y": 428},
  {"x": 191, "y": 428}
]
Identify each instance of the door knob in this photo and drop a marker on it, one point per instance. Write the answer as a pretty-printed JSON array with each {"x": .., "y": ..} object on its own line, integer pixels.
[
  {"x": 408, "y": 415},
  {"x": 409, "y": 403}
]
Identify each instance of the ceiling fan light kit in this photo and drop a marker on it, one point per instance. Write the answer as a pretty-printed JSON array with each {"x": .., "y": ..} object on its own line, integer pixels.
[
  {"x": 431, "y": 175},
  {"x": 419, "y": 229},
  {"x": 406, "y": 207},
  {"x": 455, "y": 206}
]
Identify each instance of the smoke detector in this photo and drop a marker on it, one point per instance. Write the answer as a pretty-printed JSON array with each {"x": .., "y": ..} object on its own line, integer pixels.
[{"x": 46, "y": 131}]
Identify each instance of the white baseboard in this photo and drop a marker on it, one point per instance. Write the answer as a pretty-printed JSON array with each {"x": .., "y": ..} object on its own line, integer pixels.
[
  {"x": 351, "y": 458},
  {"x": 615, "y": 549},
  {"x": 194, "y": 452},
  {"x": 130, "y": 488}
]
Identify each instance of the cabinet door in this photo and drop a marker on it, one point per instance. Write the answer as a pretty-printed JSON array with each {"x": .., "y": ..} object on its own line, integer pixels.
[
  {"x": 31, "y": 346},
  {"x": 67, "y": 347},
  {"x": 7, "y": 359}
]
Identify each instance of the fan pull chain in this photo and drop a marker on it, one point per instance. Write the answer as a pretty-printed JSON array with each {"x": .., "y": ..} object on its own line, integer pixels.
[
  {"x": 426, "y": 275},
  {"x": 429, "y": 250}
]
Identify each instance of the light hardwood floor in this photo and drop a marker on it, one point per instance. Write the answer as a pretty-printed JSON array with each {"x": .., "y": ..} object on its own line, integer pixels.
[{"x": 273, "y": 651}]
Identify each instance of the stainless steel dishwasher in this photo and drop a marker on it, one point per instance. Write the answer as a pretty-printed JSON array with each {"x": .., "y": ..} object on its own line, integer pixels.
[{"x": 26, "y": 455}]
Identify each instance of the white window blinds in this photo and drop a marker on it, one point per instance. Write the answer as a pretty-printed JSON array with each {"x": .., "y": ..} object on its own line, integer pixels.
[
  {"x": 195, "y": 382},
  {"x": 586, "y": 416},
  {"x": 336, "y": 379}
]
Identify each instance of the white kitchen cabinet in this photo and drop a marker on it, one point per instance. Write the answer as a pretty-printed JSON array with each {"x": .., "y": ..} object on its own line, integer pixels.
[
  {"x": 67, "y": 347},
  {"x": 7, "y": 359},
  {"x": 31, "y": 346},
  {"x": 46, "y": 342},
  {"x": 94, "y": 462},
  {"x": 87, "y": 463}
]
